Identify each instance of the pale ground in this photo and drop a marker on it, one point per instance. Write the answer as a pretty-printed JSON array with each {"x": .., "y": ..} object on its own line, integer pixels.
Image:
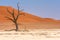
[{"x": 39, "y": 34}]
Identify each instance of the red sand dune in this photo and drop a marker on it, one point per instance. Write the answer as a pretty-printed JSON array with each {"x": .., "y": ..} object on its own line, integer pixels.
[{"x": 29, "y": 21}]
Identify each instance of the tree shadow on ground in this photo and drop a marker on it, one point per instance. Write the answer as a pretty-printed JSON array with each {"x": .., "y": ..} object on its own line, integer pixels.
[{"x": 18, "y": 30}]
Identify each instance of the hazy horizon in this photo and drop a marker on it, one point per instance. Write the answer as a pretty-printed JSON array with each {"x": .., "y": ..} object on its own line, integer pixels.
[{"x": 41, "y": 8}]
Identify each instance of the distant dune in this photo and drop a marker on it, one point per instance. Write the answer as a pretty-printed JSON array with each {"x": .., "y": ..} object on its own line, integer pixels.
[{"x": 26, "y": 21}]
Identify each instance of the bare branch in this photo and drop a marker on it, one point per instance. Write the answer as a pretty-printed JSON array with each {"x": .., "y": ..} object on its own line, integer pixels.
[
  {"x": 18, "y": 12},
  {"x": 10, "y": 19},
  {"x": 13, "y": 15},
  {"x": 18, "y": 7},
  {"x": 9, "y": 11},
  {"x": 17, "y": 17}
]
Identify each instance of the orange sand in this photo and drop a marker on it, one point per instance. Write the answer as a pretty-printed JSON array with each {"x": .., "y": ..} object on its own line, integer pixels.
[{"x": 26, "y": 20}]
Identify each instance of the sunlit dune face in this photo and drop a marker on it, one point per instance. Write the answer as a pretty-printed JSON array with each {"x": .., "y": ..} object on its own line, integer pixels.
[{"x": 26, "y": 20}]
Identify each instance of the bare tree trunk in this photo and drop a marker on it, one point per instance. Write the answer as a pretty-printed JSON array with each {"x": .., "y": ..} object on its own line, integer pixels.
[{"x": 16, "y": 27}]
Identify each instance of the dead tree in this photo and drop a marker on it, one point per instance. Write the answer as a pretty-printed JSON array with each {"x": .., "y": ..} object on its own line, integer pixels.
[{"x": 14, "y": 18}]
